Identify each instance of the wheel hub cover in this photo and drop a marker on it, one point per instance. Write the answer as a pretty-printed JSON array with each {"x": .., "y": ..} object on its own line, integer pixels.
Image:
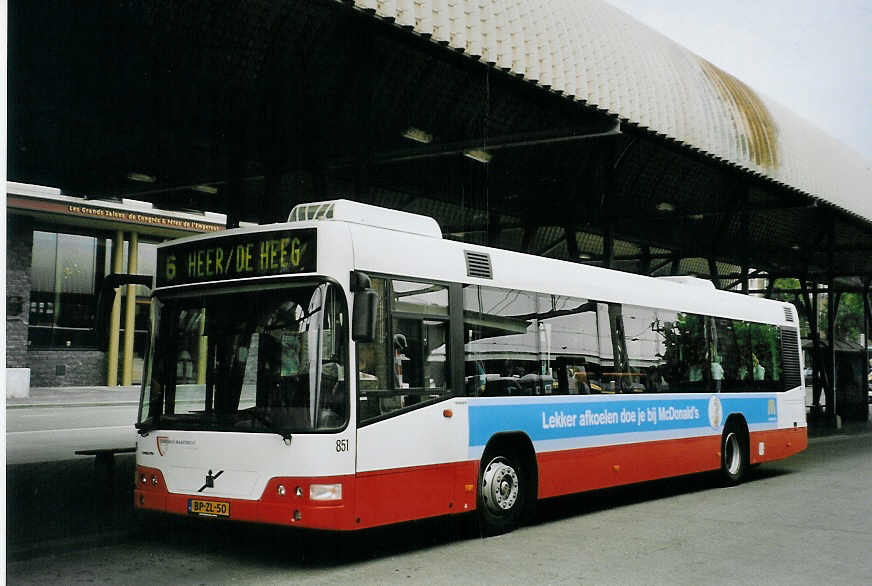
[{"x": 500, "y": 487}]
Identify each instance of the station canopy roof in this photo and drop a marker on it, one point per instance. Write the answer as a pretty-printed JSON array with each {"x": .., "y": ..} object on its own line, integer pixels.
[{"x": 555, "y": 127}]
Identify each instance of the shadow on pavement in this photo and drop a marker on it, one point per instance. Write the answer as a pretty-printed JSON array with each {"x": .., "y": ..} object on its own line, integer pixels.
[
  {"x": 298, "y": 548},
  {"x": 54, "y": 506}
]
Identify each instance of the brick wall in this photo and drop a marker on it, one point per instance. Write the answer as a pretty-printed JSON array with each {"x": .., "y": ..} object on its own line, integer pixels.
[
  {"x": 79, "y": 367},
  {"x": 19, "y": 247}
]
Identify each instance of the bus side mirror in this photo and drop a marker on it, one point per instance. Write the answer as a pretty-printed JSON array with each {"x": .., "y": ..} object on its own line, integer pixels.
[
  {"x": 365, "y": 308},
  {"x": 364, "y": 317},
  {"x": 106, "y": 298}
]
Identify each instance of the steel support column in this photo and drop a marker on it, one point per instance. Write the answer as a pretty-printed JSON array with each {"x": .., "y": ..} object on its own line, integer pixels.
[
  {"x": 130, "y": 312},
  {"x": 713, "y": 273},
  {"x": 115, "y": 316},
  {"x": 866, "y": 319},
  {"x": 808, "y": 301},
  {"x": 832, "y": 312},
  {"x": 609, "y": 245},
  {"x": 745, "y": 229}
]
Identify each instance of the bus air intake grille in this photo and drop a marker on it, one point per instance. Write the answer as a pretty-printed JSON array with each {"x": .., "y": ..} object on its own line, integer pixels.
[
  {"x": 478, "y": 264},
  {"x": 788, "y": 314},
  {"x": 790, "y": 358}
]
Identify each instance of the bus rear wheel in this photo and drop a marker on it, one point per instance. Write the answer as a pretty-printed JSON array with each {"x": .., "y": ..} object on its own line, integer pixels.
[
  {"x": 734, "y": 458},
  {"x": 502, "y": 494}
]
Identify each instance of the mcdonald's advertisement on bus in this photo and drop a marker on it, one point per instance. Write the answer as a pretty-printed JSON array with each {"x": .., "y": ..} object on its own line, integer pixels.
[
  {"x": 237, "y": 257},
  {"x": 590, "y": 416}
]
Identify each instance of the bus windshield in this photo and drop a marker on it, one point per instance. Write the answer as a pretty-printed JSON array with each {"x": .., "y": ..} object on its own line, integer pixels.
[{"x": 268, "y": 361}]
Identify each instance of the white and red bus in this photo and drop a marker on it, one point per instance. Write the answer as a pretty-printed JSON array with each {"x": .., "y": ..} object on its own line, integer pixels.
[{"x": 350, "y": 368}]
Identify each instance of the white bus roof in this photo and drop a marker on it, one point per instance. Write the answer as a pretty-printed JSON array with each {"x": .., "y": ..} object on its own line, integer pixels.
[{"x": 392, "y": 242}]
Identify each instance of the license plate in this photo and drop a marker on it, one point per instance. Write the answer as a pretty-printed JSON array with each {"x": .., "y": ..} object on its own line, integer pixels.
[{"x": 209, "y": 508}]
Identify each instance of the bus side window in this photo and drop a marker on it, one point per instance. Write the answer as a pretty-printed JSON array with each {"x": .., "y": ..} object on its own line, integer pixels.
[
  {"x": 644, "y": 350},
  {"x": 685, "y": 364},
  {"x": 502, "y": 340},
  {"x": 766, "y": 369},
  {"x": 420, "y": 341},
  {"x": 568, "y": 344},
  {"x": 616, "y": 375},
  {"x": 406, "y": 363}
]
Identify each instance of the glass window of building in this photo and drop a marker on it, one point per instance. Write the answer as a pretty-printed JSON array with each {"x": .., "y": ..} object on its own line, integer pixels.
[
  {"x": 64, "y": 271},
  {"x": 67, "y": 271}
]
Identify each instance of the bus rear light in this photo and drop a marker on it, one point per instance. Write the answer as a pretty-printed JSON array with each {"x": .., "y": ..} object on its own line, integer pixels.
[
  {"x": 298, "y": 515},
  {"x": 154, "y": 480},
  {"x": 325, "y": 492},
  {"x": 298, "y": 491},
  {"x": 143, "y": 478},
  {"x": 281, "y": 490}
]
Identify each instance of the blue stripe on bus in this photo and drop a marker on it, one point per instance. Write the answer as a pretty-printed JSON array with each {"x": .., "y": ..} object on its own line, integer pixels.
[
  {"x": 756, "y": 410},
  {"x": 582, "y": 417}
]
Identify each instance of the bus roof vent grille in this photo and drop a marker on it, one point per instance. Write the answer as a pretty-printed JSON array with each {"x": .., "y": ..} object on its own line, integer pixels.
[
  {"x": 343, "y": 210},
  {"x": 788, "y": 313},
  {"x": 312, "y": 211},
  {"x": 478, "y": 264}
]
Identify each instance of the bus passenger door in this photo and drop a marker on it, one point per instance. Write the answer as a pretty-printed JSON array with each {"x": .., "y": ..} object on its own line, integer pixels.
[{"x": 407, "y": 433}]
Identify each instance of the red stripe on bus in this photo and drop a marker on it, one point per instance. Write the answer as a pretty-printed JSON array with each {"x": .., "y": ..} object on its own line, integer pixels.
[
  {"x": 578, "y": 470},
  {"x": 404, "y": 494},
  {"x": 778, "y": 443},
  {"x": 381, "y": 497}
]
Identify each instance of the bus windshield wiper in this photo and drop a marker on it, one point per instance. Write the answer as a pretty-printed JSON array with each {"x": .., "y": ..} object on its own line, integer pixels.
[{"x": 269, "y": 424}]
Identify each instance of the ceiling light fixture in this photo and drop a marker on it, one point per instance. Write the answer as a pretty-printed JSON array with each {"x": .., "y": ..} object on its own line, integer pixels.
[
  {"x": 479, "y": 155},
  {"x": 142, "y": 177},
  {"x": 418, "y": 135},
  {"x": 697, "y": 217},
  {"x": 210, "y": 189},
  {"x": 665, "y": 206}
]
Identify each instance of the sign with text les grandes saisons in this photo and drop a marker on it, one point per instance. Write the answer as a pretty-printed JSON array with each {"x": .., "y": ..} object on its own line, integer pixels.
[{"x": 237, "y": 257}]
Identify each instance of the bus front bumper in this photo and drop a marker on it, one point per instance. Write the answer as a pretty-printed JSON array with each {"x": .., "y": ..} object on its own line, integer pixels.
[{"x": 314, "y": 503}]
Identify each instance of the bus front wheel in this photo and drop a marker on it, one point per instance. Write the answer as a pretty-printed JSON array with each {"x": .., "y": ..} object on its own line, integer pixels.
[
  {"x": 734, "y": 459},
  {"x": 502, "y": 493}
]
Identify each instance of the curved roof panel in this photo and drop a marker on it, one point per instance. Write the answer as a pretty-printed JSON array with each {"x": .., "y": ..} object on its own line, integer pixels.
[{"x": 592, "y": 52}]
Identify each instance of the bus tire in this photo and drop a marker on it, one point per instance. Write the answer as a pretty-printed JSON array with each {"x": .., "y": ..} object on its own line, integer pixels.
[
  {"x": 502, "y": 492},
  {"x": 734, "y": 455}
]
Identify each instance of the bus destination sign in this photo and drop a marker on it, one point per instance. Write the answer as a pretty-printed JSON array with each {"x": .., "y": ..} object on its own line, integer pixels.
[{"x": 237, "y": 257}]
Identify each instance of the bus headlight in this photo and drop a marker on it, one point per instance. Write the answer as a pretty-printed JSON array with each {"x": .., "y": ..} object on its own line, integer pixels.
[{"x": 325, "y": 492}]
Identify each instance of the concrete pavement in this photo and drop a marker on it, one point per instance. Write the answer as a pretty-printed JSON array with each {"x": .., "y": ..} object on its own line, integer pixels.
[
  {"x": 804, "y": 520},
  {"x": 76, "y": 396}
]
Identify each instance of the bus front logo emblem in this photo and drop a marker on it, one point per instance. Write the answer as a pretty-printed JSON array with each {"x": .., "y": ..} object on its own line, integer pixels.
[{"x": 210, "y": 480}]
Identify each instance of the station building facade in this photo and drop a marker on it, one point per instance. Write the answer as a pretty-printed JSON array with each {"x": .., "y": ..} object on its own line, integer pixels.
[{"x": 58, "y": 250}]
